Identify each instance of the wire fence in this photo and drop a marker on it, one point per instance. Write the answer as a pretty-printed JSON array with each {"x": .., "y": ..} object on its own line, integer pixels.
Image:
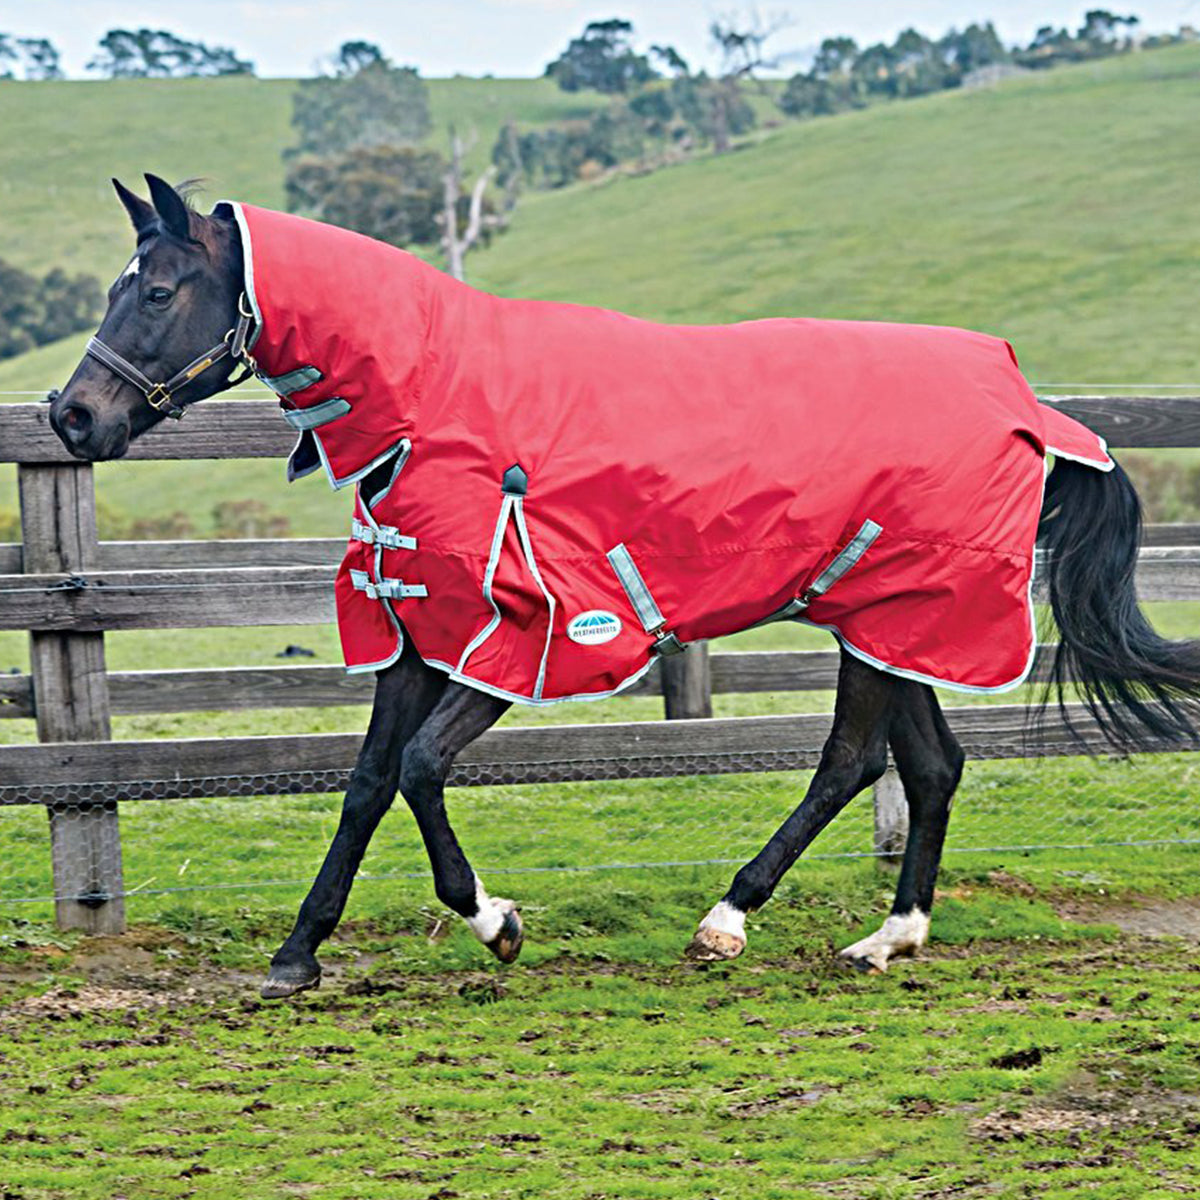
[{"x": 246, "y": 843}]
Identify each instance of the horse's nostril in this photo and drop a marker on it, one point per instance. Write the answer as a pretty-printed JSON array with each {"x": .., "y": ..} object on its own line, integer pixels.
[{"x": 76, "y": 420}]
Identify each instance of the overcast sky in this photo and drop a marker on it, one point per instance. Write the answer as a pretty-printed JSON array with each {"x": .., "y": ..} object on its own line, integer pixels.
[{"x": 516, "y": 37}]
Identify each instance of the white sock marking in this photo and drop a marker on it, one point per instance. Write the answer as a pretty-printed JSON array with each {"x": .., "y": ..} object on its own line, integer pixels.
[
  {"x": 488, "y": 919},
  {"x": 724, "y": 918},
  {"x": 901, "y": 933}
]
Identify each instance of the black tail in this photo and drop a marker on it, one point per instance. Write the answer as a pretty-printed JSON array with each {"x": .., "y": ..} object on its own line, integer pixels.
[{"x": 1134, "y": 682}]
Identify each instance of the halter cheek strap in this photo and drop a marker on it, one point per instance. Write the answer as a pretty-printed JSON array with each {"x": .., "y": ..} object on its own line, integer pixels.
[{"x": 160, "y": 396}]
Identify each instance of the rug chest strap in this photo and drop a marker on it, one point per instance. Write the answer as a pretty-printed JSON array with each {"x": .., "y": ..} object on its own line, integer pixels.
[
  {"x": 387, "y": 589},
  {"x": 387, "y": 536}
]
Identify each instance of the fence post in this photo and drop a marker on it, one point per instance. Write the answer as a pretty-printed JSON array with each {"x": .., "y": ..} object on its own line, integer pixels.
[
  {"x": 687, "y": 683},
  {"x": 891, "y": 817},
  {"x": 70, "y": 694}
]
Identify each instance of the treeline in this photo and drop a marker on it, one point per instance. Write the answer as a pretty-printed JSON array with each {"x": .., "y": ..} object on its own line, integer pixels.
[
  {"x": 843, "y": 76},
  {"x": 123, "y": 54},
  {"x": 35, "y": 311},
  {"x": 660, "y": 109}
]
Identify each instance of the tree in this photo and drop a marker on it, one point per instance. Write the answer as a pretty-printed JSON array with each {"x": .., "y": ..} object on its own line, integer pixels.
[
  {"x": 156, "y": 53},
  {"x": 35, "y": 311},
  {"x": 353, "y": 57},
  {"x": 1101, "y": 27},
  {"x": 393, "y": 193},
  {"x": 812, "y": 95},
  {"x": 35, "y": 58},
  {"x": 975, "y": 47},
  {"x": 603, "y": 59},
  {"x": 465, "y": 219},
  {"x": 835, "y": 58},
  {"x": 830, "y": 87},
  {"x": 742, "y": 44},
  {"x": 714, "y": 109},
  {"x": 378, "y": 105},
  {"x": 671, "y": 59}
]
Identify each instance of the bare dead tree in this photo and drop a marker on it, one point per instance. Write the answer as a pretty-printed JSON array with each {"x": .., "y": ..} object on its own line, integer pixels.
[
  {"x": 455, "y": 243},
  {"x": 741, "y": 39}
]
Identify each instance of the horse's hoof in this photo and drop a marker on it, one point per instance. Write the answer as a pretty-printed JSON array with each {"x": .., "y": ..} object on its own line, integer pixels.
[
  {"x": 287, "y": 979},
  {"x": 506, "y": 945},
  {"x": 714, "y": 945},
  {"x": 864, "y": 964}
]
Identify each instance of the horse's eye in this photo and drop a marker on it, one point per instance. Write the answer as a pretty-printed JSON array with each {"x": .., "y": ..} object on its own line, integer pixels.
[{"x": 160, "y": 297}]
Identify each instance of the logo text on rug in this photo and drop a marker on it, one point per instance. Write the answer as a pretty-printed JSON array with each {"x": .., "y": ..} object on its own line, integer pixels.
[{"x": 593, "y": 628}]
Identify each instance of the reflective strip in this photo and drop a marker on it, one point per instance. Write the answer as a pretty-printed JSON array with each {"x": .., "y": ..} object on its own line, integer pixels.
[
  {"x": 527, "y": 548},
  {"x": 387, "y": 536},
  {"x": 387, "y": 589},
  {"x": 489, "y": 575},
  {"x": 319, "y": 414},
  {"x": 635, "y": 588},
  {"x": 403, "y": 450},
  {"x": 855, "y": 549},
  {"x": 292, "y": 381}
]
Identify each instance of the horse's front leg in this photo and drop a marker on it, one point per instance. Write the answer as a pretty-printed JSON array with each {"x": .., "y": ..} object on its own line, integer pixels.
[
  {"x": 459, "y": 717},
  {"x": 405, "y": 694}
]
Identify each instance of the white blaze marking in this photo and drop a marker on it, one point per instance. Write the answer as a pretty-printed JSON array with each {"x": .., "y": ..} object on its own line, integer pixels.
[
  {"x": 488, "y": 919},
  {"x": 724, "y": 918},
  {"x": 133, "y": 268}
]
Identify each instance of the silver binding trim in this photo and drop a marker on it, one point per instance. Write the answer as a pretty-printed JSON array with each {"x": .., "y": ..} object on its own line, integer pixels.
[
  {"x": 386, "y": 589},
  {"x": 318, "y": 414},
  {"x": 855, "y": 548},
  {"x": 489, "y": 575},
  {"x": 527, "y": 549},
  {"x": 292, "y": 381},
  {"x": 387, "y": 536}
]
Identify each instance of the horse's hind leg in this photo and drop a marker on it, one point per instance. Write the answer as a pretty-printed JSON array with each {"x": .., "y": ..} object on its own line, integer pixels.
[
  {"x": 930, "y": 762},
  {"x": 854, "y": 756},
  {"x": 405, "y": 693}
]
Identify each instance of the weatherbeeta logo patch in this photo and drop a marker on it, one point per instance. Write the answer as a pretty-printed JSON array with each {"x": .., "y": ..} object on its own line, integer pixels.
[{"x": 593, "y": 628}]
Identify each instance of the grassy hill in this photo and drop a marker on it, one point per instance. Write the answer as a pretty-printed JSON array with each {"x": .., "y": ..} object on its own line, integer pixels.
[
  {"x": 63, "y": 141},
  {"x": 1059, "y": 210}
]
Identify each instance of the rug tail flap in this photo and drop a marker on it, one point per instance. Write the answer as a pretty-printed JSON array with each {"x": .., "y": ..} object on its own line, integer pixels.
[{"x": 1064, "y": 437}]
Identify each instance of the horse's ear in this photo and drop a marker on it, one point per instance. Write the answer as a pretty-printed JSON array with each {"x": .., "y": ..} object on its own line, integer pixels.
[
  {"x": 170, "y": 207},
  {"x": 140, "y": 213}
]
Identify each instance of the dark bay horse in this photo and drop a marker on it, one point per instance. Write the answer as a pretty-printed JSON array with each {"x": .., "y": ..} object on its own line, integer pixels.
[{"x": 176, "y": 332}]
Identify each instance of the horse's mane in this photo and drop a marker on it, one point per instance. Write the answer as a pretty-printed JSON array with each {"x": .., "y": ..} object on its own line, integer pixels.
[{"x": 189, "y": 189}]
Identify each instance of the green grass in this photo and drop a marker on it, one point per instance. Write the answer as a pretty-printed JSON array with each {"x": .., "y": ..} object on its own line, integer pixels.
[
  {"x": 602, "y": 1067},
  {"x": 63, "y": 141}
]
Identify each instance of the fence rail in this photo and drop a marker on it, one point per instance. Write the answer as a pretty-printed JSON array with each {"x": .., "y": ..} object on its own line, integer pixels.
[{"x": 68, "y": 588}]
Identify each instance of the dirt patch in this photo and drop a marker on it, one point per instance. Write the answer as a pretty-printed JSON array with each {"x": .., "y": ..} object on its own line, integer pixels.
[
  {"x": 1147, "y": 917},
  {"x": 784, "y": 1098},
  {"x": 1088, "y": 1105}
]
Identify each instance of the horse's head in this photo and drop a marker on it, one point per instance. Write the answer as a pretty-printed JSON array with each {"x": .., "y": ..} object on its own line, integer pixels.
[{"x": 173, "y": 308}]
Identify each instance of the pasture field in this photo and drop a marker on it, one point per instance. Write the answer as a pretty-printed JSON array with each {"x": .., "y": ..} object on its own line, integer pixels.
[{"x": 1036, "y": 1049}]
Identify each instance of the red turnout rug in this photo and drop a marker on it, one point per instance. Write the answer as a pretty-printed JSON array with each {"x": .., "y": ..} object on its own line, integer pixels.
[{"x": 573, "y": 491}]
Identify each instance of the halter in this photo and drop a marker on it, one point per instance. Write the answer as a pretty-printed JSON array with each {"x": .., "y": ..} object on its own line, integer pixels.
[{"x": 160, "y": 395}]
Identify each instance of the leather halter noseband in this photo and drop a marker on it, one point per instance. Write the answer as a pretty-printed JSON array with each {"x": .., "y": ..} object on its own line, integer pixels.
[{"x": 159, "y": 395}]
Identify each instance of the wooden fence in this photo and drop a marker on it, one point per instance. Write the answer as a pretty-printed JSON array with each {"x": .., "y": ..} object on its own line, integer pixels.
[{"x": 67, "y": 589}]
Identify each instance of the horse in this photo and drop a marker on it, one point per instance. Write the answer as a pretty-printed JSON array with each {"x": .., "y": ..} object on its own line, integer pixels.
[{"x": 186, "y": 320}]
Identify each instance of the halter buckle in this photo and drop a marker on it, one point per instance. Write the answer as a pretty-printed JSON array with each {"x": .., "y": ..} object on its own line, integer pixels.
[{"x": 160, "y": 399}]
